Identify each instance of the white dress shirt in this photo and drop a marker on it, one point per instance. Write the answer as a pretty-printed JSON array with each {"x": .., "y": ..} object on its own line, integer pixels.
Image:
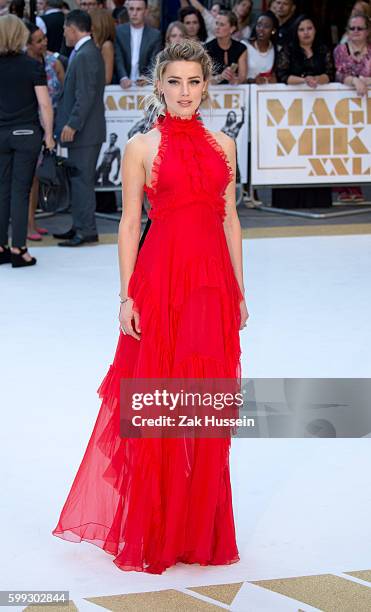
[
  {"x": 80, "y": 42},
  {"x": 41, "y": 24},
  {"x": 135, "y": 42}
]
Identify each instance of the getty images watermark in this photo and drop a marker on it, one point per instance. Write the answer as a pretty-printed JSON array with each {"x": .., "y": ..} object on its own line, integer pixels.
[
  {"x": 250, "y": 407},
  {"x": 177, "y": 407}
]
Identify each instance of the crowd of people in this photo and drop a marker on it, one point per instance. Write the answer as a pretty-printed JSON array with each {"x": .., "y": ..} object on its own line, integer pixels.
[{"x": 53, "y": 73}]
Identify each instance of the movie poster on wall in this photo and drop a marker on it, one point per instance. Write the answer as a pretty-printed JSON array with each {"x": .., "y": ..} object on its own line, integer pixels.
[
  {"x": 309, "y": 136},
  {"x": 125, "y": 117}
]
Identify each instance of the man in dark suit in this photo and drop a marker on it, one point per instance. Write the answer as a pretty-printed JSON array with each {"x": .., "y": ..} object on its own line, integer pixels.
[
  {"x": 81, "y": 126},
  {"x": 136, "y": 45}
]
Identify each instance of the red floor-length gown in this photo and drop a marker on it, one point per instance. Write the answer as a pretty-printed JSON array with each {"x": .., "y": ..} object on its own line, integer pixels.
[{"x": 153, "y": 502}]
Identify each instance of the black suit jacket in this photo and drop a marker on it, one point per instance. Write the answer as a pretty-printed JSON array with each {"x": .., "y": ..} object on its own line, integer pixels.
[
  {"x": 81, "y": 105},
  {"x": 149, "y": 47}
]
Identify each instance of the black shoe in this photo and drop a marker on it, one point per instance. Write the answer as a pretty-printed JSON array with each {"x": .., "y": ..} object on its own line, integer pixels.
[
  {"x": 65, "y": 235},
  {"x": 19, "y": 262},
  {"x": 5, "y": 255},
  {"x": 79, "y": 240}
]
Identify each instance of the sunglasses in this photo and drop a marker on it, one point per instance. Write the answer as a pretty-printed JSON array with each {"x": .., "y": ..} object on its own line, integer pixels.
[{"x": 356, "y": 29}]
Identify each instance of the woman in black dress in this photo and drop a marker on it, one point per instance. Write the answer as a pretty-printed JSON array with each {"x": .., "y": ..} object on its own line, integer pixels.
[
  {"x": 305, "y": 61},
  {"x": 228, "y": 55}
]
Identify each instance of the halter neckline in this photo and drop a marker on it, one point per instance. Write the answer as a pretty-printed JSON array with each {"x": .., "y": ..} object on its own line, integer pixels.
[{"x": 181, "y": 123}]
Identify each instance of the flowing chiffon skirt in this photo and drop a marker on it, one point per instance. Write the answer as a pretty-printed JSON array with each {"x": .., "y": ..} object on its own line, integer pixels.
[{"x": 153, "y": 502}]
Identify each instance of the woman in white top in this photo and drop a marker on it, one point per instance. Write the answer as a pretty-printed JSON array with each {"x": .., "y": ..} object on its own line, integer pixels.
[{"x": 261, "y": 50}]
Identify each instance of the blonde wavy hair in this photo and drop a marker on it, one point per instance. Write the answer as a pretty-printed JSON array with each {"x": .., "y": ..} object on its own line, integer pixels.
[
  {"x": 187, "y": 50},
  {"x": 13, "y": 35}
]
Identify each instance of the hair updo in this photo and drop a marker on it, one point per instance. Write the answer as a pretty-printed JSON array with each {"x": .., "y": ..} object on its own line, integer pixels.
[{"x": 187, "y": 50}]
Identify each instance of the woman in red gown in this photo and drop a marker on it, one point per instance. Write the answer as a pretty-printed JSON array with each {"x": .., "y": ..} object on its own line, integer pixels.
[{"x": 152, "y": 502}]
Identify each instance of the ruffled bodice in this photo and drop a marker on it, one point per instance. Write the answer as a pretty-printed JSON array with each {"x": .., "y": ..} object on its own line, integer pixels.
[{"x": 190, "y": 152}]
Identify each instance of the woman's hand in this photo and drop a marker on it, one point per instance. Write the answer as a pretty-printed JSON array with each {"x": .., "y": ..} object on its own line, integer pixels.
[
  {"x": 49, "y": 143},
  {"x": 311, "y": 81},
  {"x": 360, "y": 85},
  {"x": 260, "y": 80},
  {"x": 126, "y": 316},
  {"x": 244, "y": 314},
  {"x": 228, "y": 74}
]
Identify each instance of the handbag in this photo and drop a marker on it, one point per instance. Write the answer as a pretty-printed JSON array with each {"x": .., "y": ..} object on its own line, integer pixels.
[{"x": 53, "y": 174}]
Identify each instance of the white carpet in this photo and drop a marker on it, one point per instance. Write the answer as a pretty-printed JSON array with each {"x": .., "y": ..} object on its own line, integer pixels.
[{"x": 302, "y": 506}]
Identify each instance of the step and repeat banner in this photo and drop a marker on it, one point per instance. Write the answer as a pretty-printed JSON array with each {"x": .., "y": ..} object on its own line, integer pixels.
[
  {"x": 301, "y": 136},
  {"x": 125, "y": 117}
]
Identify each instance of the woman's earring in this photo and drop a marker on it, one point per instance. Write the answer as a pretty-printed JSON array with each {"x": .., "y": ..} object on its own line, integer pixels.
[{"x": 204, "y": 95}]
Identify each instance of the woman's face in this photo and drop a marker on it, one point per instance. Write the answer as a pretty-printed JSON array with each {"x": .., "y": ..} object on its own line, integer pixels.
[
  {"x": 215, "y": 10},
  {"x": 175, "y": 35},
  {"x": 243, "y": 8},
  {"x": 182, "y": 84},
  {"x": 223, "y": 28},
  {"x": 306, "y": 33},
  {"x": 38, "y": 44},
  {"x": 264, "y": 29},
  {"x": 192, "y": 25},
  {"x": 357, "y": 30}
]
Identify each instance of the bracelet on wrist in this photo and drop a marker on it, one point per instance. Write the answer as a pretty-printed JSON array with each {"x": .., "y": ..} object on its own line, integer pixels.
[{"x": 125, "y": 299}]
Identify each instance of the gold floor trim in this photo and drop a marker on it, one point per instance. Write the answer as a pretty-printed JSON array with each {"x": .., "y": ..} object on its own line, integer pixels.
[
  {"x": 225, "y": 593},
  {"x": 363, "y": 575},
  {"x": 161, "y": 601},
  {"x": 307, "y": 230},
  {"x": 50, "y": 241},
  {"x": 327, "y": 592},
  {"x": 255, "y": 232}
]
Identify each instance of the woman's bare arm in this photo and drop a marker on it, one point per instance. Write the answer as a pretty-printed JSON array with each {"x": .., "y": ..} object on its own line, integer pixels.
[
  {"x": 60, "y": 71},
  {"x": 108, "y": 55},
  {"x": 322, "y": 79},
  {"x": 46, "y": 111},
  {"x": 232, "y": 227},
  {"x": 295, "y": 80},
  {"x": 242, "y": 67},
  {"x": 197, "y": 5},
  {"x": 133, "y": 180}
]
